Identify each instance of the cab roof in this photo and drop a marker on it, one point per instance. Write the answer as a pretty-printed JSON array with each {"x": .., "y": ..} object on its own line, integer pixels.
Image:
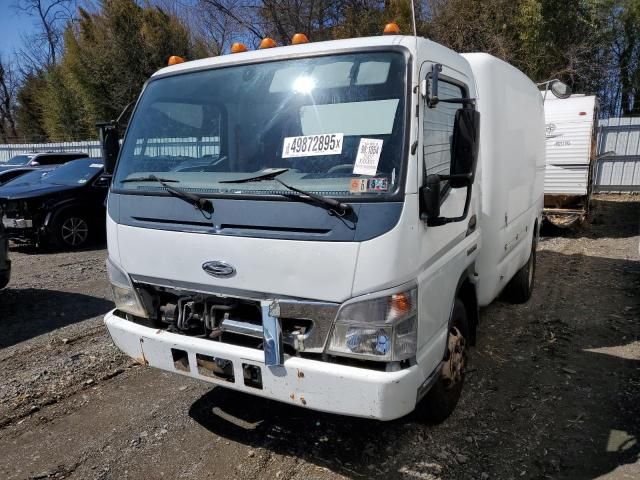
[{"x": 292, "y": 51}]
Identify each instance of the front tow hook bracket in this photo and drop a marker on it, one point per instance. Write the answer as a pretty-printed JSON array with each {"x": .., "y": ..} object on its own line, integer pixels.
[{"x": 272, "y": 332}]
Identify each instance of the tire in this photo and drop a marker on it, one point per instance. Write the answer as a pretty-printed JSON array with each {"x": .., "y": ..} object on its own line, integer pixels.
[
  {"x": 520, "y": 287},
  {"x": 441, "y": 400},
  {"x": 70, "y": 230}
]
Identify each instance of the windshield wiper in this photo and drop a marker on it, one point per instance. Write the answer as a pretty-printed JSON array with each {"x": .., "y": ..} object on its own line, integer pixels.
[
  {"x": 150, "y": 178},
  {"x": 334, "y": 205},
  {"x": 269, "y": 175},
  {"x": 201, "y": 203}
]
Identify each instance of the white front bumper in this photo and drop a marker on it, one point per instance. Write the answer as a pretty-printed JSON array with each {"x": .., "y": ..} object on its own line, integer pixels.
[{"x": 308, "y": 383}]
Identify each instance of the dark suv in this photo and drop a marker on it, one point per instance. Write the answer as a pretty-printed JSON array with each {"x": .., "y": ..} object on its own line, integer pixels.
[
  {"x": 41, "y": 159},
  {"x": 63, "y": 206}
]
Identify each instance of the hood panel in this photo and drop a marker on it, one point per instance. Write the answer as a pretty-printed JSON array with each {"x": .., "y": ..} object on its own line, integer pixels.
[
  {"x": 33, "y": 190},
  {"x": 304, "y": 269}
]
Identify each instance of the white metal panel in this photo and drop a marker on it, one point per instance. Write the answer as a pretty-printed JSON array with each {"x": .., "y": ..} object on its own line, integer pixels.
[
  {"x": 566, "y": 179},
  {"x": 618, "y": 168},
  {"x": 569, "y": 128},
  {"x": 282, "y": 268}
]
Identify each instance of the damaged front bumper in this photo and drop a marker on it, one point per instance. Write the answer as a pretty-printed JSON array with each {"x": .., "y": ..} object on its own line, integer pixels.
[
  {"x": 17, "y": 223},
  {"x": 19, "y": 228},
  {"x": 314, "y": 384}
]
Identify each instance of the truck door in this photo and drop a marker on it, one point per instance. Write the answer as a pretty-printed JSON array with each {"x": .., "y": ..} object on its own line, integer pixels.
[{"x": 447, "y": 250}]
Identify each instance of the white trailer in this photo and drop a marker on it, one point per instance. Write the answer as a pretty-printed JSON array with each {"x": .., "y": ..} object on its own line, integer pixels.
[
  {"x": 571, "y": 127},
  {"x": 319, "y": 223}
]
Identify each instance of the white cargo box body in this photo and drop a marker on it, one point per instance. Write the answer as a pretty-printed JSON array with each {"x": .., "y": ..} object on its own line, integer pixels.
[
  {"x": 510, "y": 171},
  {"x": 570, "y": 126}
]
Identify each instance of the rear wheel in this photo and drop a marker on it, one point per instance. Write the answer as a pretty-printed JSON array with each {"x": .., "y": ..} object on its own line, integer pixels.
[
  {"x": 520, "y": 288},
  {"x": 70, "y": 230},
  {"x": 443, "y": 397}
]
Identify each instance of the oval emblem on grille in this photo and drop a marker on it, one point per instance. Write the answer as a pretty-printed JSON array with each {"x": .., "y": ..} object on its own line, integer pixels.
[{"x": 219, "y": 269}]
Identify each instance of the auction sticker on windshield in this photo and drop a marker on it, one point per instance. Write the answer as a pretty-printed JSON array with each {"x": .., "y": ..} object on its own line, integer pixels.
[
  {"x": 312, "y": 145},
  {"x": 368, "y": 156}
]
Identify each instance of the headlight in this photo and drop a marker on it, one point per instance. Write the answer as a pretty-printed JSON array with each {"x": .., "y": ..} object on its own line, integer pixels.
[
  {"x": 124, "y": 295},
  {"x": 381, "y": 328}
]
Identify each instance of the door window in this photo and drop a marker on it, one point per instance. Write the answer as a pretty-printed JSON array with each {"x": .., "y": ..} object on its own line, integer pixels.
[{"x": 437, "y": 126}]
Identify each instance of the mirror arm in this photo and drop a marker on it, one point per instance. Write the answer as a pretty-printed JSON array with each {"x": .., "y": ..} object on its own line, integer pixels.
[{"x": 432, "y": 97}]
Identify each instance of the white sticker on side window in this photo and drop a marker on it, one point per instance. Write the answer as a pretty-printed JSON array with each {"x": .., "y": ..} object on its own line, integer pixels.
[
  {"x": 368, "y": 156},
  {"x": 312, "y": 145}
]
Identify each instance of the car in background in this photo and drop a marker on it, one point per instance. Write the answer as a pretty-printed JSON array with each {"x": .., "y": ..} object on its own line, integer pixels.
[
  {"x": 10, "y": 174},
  {"x": 63, "y": 207},
  {"x": 5, "y": 263},
  {"x": 37, "y": 159}
]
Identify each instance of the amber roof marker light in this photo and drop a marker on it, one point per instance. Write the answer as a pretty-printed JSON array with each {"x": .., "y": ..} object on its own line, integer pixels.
[
  {"x": 299, "y": 38},
  {"x": 175, "y": 60},
  {"x": 267, "y": 43},
  {"x": 391, "y": 28},
  {"x": 238, "y": 47}
]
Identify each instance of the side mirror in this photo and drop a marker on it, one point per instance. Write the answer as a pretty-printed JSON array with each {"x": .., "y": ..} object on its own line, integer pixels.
[
  {"x": 430, "y": 197},
  {"x": 35, "y": 163},
  {"x": 464, "y": 157},
  {"x": 110, "y": 142},
  {"x": 560, "y": 89},
  {"x": 110, "y": 139},
  {"x": 464, "y": 146}
]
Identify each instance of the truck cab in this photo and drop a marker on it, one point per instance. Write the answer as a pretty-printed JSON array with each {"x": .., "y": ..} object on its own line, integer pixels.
[{"x": 319, "y": 223}]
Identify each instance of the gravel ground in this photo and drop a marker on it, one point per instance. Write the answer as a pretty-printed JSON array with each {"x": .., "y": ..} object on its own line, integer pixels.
[{"x": 553, "y": 390}]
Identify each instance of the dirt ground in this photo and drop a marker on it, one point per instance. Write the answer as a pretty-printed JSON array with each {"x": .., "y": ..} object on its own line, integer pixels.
[{"x": 553, "y": 390}]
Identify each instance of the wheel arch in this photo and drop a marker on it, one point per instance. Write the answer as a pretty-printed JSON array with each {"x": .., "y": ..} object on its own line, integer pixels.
[
  {"x": 61, "y": 208},
  {"x": 466, "y": 291}
]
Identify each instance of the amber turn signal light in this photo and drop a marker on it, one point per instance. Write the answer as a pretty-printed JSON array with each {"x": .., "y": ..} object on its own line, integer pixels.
[{"x": 401, "y": 303}]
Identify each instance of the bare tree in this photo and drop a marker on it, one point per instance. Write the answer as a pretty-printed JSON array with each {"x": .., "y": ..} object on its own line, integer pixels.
[
  {"x": 43, "y": 48},
  {"x": 8, "y": 93}
]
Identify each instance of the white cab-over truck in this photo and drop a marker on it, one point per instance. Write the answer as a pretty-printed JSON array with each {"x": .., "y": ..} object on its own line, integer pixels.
[{"x": 320, "y": 223}]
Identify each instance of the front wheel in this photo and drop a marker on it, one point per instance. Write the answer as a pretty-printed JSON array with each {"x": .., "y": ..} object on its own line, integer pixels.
[
  {"x": 70, "y": 230},
  {"x": 443, "y": 397}
]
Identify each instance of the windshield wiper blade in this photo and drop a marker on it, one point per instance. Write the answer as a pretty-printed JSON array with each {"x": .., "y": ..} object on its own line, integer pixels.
[
  {"x": 334, "y": 205},
  {"x": 201, "y": 203},
  {"x": 150, "y": 178},
  {"x": 270, "y": 175}
]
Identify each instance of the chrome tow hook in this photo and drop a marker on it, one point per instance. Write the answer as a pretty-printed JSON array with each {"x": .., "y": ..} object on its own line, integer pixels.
[{"x": 272, "y": 332}]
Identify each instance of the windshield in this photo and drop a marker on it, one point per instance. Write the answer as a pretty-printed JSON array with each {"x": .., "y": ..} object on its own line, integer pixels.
[
  {"x": 76, "y": 172},
  {"x": 18, "y": 160},
  {"x": 335, "y": 122}
]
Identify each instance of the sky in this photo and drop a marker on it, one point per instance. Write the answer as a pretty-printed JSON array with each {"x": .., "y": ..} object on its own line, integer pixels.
[{"x": 13, "y": 24}]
